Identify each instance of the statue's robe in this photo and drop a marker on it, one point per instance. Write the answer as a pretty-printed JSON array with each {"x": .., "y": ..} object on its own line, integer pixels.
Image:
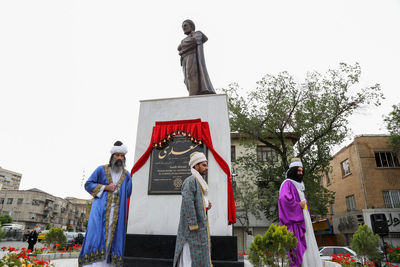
[
  {"x": 193, "y": 216},
  {"x": 298, "y": 221},
  {"x": 107, "y": 219},
  {"x": 194, "y": 65}
]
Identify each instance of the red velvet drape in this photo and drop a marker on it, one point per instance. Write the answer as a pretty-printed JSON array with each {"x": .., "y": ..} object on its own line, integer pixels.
[{"x": 198, "y": 132}]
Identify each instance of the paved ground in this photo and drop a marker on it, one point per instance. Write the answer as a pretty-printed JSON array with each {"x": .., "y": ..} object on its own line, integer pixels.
[{"x": 57, "y": 263}]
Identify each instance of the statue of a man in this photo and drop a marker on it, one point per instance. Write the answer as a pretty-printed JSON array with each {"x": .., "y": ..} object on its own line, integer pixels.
[{"x": 192, "y": 61}]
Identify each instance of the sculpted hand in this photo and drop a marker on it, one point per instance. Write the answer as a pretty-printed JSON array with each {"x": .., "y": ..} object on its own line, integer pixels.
[
  {"x": 303, "y": 204},
  {"x": 111, "y": 187}
]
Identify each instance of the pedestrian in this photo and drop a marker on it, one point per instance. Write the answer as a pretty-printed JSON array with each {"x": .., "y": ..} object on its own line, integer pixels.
[
  {"x": 111, "y": 186},
  {"x": 294, "y": 213},
  {"x": 26, "y": 234},
  {"x": 32, "y": 239},
  {"x": 193, "y": 239}
]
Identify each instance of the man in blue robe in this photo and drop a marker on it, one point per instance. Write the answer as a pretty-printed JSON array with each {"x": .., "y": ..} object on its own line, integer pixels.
[
  {"x": 111, "y": 186},
  {"x": 193, "y": 239}
]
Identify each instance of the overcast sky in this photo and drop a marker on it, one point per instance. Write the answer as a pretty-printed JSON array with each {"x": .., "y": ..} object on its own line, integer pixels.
[{"x": 72, "y": 73}]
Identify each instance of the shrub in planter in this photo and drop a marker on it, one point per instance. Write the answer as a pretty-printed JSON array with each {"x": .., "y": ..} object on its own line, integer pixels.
[
  {"x": 272, "y": 248},
  {"x": 365, "y": 244},
  {"x": 55, "y": 237}
]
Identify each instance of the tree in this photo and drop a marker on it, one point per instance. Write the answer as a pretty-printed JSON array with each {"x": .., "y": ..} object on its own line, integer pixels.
[
  {"x": 6, "y": 219},
  {"x": 365, "y": 243},
  {"x": 393, "y": 125},
  {"x": 3, "y": 232},
  {"x": 304, "y": 120}
]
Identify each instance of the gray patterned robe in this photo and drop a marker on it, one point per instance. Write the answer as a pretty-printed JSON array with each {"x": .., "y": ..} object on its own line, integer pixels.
[{"x": 193, "y": 216}]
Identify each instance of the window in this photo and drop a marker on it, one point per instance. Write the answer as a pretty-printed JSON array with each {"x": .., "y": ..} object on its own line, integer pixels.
[
  {"x": 35, "y": 202},
  {"x": 351, "y": 203},
  {"x": 2, "y": 201},
  {"x": 386, "y": 160},
  {"x": 265, "y": 153},
  {"x": 391, "y": 198},
  {"x": 9, "y": 201},
  {"x": 345, "y": 167},
  {"x": 20, "y": 201},
  {"x": 233, "y": 153},
  {"x": 331, "y": 208},
  {"x": 326, "y": 251}
]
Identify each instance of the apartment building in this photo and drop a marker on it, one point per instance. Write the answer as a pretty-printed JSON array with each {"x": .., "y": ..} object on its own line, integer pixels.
[
  {"x": 36, "y": 207},
  {"x": 248, "y": 225},
  {"x": 9, "y": 180},
  {"x": 366, "y": 178}
]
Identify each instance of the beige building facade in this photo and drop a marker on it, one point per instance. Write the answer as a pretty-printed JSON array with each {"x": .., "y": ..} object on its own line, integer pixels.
[
  {"x": 9, "y": 180},
  {"x": 248, "y": 225},
  {"x": 365, "y": 176},
  {"x": 36, "y": 207}
]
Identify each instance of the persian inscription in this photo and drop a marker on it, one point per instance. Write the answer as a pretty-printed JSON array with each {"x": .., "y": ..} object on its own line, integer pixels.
[{"x": 169, "y": 165}]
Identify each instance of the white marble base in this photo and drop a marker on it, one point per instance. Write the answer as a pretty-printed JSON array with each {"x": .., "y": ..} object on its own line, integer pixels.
[{"x": 159, "y": 214}]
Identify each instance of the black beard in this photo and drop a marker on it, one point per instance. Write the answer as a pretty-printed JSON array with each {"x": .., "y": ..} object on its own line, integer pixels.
[{"x": 298, "y": 178}]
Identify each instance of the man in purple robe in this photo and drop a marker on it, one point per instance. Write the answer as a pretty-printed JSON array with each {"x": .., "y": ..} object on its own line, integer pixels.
[{"x": 293, "y": 212}]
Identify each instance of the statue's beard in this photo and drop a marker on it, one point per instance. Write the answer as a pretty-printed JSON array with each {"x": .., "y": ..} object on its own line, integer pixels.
[{"x": 117, "y": 165}]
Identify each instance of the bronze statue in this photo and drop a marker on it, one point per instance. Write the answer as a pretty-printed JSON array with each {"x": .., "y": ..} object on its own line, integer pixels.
[{"x": 192, "y": 61}]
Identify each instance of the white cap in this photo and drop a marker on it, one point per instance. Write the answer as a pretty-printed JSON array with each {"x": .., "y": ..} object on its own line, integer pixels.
[{"x": 195, "y": 158}]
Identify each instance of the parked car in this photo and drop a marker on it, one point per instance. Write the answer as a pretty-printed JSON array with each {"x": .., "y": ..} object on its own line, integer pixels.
[
  {"x": 74, "y": 238},
  {"x": 326, "y": 252}
]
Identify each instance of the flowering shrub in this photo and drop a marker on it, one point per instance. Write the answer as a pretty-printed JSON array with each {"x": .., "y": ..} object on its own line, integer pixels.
[
  {"x": 388, "y": 264},
  {"x": 346, "y": 260},
  {"x": 19, "y": 258},
  {"x": 393, "y": 254}
]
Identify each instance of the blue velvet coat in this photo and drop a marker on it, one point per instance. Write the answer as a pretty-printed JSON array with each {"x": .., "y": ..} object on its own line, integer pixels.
[{"x": 94, "y": 244}]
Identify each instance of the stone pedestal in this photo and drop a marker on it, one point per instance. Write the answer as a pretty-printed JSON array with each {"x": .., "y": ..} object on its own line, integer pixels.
[{"x": 153, "y": 219}]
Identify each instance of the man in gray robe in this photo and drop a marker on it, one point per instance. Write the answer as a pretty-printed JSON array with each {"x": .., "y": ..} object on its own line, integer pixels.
[{"x": 193, "y": 239}]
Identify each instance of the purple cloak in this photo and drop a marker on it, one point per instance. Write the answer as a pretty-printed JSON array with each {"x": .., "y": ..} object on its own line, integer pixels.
[{"x": 291, "y": 215}]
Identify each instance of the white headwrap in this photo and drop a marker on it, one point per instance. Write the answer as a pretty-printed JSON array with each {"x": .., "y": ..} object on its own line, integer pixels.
[
  {"x": 119, "y": 149},
  {"x": 195, "y": 158},
  {"x": 296, "y": 162}
]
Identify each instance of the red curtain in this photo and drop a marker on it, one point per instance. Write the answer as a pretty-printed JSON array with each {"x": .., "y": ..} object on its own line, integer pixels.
[{"x": 199, "y": 133}]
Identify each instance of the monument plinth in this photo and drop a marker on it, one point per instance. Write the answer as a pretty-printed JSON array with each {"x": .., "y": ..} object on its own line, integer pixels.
[{"x": 155, "y": 202}]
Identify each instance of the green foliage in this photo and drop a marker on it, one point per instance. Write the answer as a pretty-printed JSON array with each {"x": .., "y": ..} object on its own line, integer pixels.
[
  {"x": 48, "y": 226},
  {"x": 3, "y": 232},
  {"x": 272, "y": 248},
  {"x": 303, "y": 120},
  {"x": 365, "y": 243},
  {"x": 393, "y": 125},
  {"x": 55, "y": 236},
  {"x": 6, "y": 219}
]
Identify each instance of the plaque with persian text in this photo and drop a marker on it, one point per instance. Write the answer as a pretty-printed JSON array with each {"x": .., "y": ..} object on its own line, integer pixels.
[{"x": 169, "y": 166}]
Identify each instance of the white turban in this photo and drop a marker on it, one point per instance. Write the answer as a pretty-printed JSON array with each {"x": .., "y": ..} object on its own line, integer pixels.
[
  {"x": 196, "y": 157},
  {"x": 296, "y": 162},
  {"x": 119, "y": 149}
]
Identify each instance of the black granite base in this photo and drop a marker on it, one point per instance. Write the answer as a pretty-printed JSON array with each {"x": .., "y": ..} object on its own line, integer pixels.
[{"x": 158, "y": 251}]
